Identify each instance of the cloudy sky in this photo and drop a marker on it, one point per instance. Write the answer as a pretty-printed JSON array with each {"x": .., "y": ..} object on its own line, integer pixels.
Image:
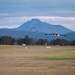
[{"x": 13, "y": 13}]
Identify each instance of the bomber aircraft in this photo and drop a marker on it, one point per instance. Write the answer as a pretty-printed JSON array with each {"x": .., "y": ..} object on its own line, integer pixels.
[{"x": 55, "y": 34}]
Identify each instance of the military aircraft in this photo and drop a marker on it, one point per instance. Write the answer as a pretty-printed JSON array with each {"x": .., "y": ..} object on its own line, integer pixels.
[{"x": 55, "y": 34}]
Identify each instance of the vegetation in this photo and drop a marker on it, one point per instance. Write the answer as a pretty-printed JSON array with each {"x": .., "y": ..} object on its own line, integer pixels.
[
  {"x": 8, "y": 40},
  {"x": 37, "y": 60},
  {"x": 55, "y": 58}
]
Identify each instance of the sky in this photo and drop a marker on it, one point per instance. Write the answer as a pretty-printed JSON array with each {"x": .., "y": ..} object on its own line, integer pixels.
[{"x": 13, "y": 13}]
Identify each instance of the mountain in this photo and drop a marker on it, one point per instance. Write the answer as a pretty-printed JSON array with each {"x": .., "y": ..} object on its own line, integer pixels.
[
  {"x": 37, "y": 29},
  {"x": 35, "y": 25},
  {"x": 22, "y": 34},
  {"x": 70, "y": 36}
]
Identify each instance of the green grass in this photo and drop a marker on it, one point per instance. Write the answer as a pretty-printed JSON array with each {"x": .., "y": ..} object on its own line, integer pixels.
[
  {"x": 55, "y": 58},
  {"x": 37, "y": 60},
  {"x": 9, "y": 46}
]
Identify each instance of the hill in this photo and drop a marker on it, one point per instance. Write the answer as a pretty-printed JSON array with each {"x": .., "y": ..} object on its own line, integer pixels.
[
  {"x": 37, "y": 29},
  {"x": 35, "y": 25}
]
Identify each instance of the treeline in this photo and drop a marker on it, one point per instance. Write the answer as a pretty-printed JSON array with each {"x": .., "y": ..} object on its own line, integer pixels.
[{"x": 8, "y": 40}]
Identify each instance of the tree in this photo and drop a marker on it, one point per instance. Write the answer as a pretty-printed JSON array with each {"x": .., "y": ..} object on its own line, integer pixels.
[
  {"x": 52, "y": 42},
  {"x": 32, "y": 42},
  {"x": 64, "y": 42},
  {"x": 20, "y": 41},
  {"x": 7, "y": 40},
  {"x": 0, "y": 40},
  {"x": 59, "y": 42},
  {"x": 72, "y": 42},
  {"x": 42, "y": 42},
  {"x": 26, "y": 40}
]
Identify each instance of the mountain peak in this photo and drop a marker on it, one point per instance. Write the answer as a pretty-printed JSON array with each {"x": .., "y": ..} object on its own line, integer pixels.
[
  {"x": 37, "y": 26},
  {"x": 35, "y": 20}
]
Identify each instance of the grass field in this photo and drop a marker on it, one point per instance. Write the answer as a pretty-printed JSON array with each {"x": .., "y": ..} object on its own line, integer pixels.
[{"x": 37, "y": 60}]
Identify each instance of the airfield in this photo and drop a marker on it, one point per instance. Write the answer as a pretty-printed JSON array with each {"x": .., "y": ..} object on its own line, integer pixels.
[{"x": 37, "y": 60}]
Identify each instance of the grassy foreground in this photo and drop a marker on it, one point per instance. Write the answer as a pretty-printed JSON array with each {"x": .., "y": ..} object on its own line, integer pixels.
[{"x": 37, "y": 60}]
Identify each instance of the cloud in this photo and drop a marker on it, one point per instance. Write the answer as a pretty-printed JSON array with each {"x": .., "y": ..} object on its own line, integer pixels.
[
  {"x": 15, "y": 12},
  {"x": 38, "y": 7},
  {"x": 72, "y": 18},
  {"x": 70, "y": 26},
  {"x": 12, "y": 22}
]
